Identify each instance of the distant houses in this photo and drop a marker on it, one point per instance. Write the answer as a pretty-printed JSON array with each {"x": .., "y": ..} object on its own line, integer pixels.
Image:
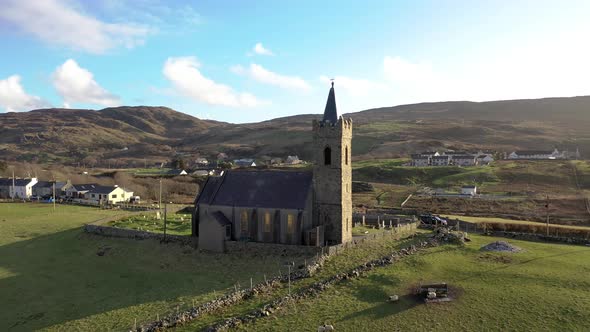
[
  {"x": 245, "y": 162},
  {"x": 469, "y": 190},
  {"x": 176, "y": 172},
  {"x": 537, "y": 154},
  {"x": 451, "y": 158},
  {"x": 45, "y": 189}
]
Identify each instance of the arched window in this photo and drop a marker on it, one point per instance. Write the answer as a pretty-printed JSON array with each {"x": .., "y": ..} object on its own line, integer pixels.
[
  {"x": 327, "y": 156},
  {"x": 244, "y": 221},
  {"x": 346, "y": 155}
]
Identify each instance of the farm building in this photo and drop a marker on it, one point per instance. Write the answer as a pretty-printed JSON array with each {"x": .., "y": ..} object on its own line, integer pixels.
[{"x": 469, "y": 190}]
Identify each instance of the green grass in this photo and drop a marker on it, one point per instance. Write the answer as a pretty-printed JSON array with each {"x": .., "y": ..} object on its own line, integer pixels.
[
  {"x": 509, "y": 221},
  {"x": 177, "y": 223},
  {"x": 544, "y": 288},
  {"x": 52, "y": 278}
]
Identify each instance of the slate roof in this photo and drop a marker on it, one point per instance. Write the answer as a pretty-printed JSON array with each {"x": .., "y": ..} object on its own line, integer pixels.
[
  {"x": 102, "y": 189},
  {"x": 85, "y": 186},
  {"x": 330, "y": 113},
  {"x": 441, "y": 157},
  {"x": 269, "y": 189},
  {"x": 221, "y": 218},
  {"x": 464, "y": 157},
  {"x": 532, "y": 152},
  {"x": 17, "y": 182}
]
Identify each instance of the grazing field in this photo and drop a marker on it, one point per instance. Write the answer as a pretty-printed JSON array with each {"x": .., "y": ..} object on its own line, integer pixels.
[
  {"x": 543, "y": 288},
  {"x": 51, "y": 276}
]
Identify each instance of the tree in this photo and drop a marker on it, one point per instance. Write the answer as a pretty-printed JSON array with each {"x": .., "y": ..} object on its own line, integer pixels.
[
  {"x": 3, "y": 166},
  {"x": 177, "y": 163}
]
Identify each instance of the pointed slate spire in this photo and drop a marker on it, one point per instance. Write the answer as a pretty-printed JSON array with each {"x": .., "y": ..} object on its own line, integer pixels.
[{"x": 330, "y": 113}]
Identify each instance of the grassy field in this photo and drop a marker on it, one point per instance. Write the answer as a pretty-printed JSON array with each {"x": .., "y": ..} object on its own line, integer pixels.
[
  {"x": 489, "y": 220},
  {"x": 543, "y": 288},
  {"x": 177, "y": 223},
  {"x": 52, "y": 278}
]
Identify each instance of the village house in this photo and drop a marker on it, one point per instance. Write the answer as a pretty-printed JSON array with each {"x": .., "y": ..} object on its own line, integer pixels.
[
  {"x": 221, "y": 156},
  {"x": 245, "y": 163},
  {"x": 203, "y": 172},
  {"x": 469, "y": 190},
  {"x": 420, "y": 160},
  {"x": 107, "y": 195},
  {"x": 484, "y": 159},
  {"x": 293, "y": 160},
  {"x": 201, "y": 162},
  {"x": 535, "y": 154},
  {"x": 440, "y": 160},
  {"x": 45, "y": 189},
  {"x": 19, "y": 188},
  {"x": 5, "y": 184},
  {"x": 176, "y": 172},
  {"x": 284, "y": 207},
  {"x": 77, "y": 191},
  {"x": 464, "y": 160}
]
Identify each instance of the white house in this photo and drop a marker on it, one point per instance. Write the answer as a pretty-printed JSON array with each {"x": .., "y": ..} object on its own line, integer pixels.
[
  {"x": 484, "y": 159},
  {"x": 420, "y": 160},
  {"x": 464, "y": 160},
  {"x": 22, "y": 188},
  {"x": 536, "y": 154},
  {"x": 107, "y": 195},
  {"x": 202, "y": 172},
  {"x": 201, "y": 162},
  {"x": 440, "y": 160},
  {"x": 176, "y": 172},
  {"x": 245, "y": 163},
  {"x": 293, "y": 160},
  {"x": 469, "y": 190}
]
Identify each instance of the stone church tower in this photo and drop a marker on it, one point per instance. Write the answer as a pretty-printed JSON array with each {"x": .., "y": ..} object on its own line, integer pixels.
[{"x": 332, "y": 174}]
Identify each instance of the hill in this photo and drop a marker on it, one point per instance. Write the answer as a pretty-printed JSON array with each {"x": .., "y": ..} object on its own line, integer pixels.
[{"x": 127, "y": 134}]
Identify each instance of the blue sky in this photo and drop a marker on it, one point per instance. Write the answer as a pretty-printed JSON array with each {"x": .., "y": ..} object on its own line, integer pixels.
[{"x": 241, "y": 61}]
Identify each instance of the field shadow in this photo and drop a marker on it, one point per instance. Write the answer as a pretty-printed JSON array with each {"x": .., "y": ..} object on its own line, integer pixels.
[
  {"x": 66, "y": 276},
  {"x": 375, "y": 293}
]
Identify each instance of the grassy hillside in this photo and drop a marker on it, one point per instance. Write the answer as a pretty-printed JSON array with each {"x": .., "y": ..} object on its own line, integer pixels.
[{"x": 158, "y": 133}]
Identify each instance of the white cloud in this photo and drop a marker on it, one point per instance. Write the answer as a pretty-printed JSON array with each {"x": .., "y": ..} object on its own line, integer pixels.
[
  {"x": 57, "y": 22},
  {"x": 77, "y": 85},
  {"x": 13, "y": 97},
  {"x": 186, "y": 77},
  {"x": 261, "y": 50},
  {"x": 263, "y": 75},
  {"x": 355, "y": 87},
  {"x": 398, "y": 69}
]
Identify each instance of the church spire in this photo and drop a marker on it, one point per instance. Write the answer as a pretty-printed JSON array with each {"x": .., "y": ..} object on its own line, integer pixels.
[{"x": 330, "y": 113}]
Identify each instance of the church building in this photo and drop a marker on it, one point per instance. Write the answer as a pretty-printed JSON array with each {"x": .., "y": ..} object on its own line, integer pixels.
[{"x": 285, "y": 207}]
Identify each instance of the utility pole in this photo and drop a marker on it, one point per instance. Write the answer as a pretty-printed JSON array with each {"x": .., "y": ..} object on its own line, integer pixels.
[
  {"x": 13, "y": 186},
  {"x": 165, "y": 221},
  {"x": 547, "y": 212},
  {"x": 160, "y": 199},
  {"x": 53, "y": 194}
]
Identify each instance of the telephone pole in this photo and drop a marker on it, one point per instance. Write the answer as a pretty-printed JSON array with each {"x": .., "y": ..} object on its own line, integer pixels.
[
  {"x": 13, "y": 186},
  {"x": 54, "y": 194},
  {"x": 547, "y": 213},
  {"x": 160, "y": 199}
]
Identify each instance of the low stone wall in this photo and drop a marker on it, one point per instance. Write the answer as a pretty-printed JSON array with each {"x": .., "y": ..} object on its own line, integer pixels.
[
  {"x": 540, "y": 237},
  {"x": 316, "y": 288},
  {"x": 270, "y": 248},
  {"x": 402, "y": 229},
  {"x": 135, "y": 234}
]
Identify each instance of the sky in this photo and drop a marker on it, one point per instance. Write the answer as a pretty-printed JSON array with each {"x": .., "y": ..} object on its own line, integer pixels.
[{"x": 248, "y": 61}]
